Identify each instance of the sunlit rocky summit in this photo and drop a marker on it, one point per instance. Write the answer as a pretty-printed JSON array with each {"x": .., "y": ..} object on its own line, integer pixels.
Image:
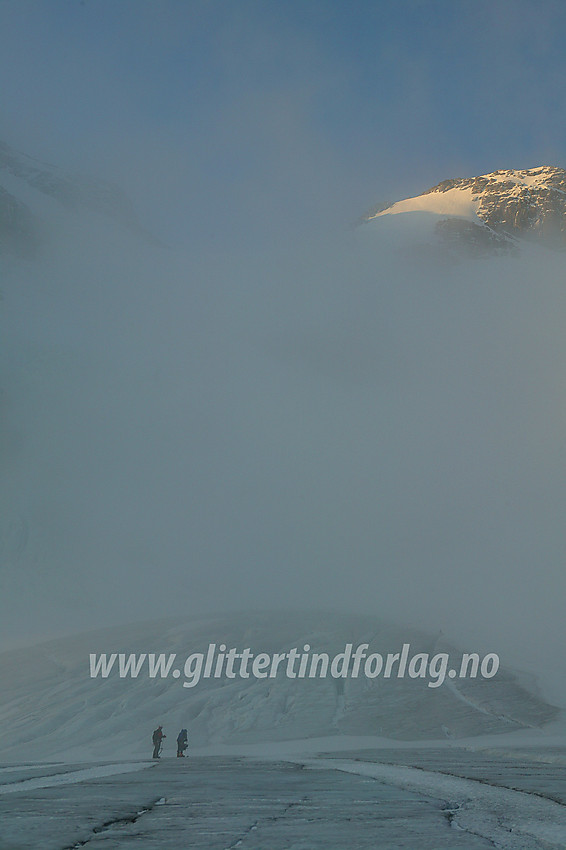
[{"x": 492, "y": 213}]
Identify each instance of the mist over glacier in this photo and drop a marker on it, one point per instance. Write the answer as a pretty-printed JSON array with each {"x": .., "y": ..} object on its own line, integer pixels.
[
  {"x": 350, "y": 424},
  {"x": 282, "y": 389}
]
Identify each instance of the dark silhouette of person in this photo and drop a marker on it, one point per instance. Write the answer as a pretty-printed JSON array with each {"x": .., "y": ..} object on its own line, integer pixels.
[
  {"x": 157, "y": 739},
  {"x": 182, "y": 743}
]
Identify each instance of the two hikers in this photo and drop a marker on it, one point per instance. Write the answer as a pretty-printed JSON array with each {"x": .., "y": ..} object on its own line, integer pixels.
[{"x": 182, "y": 742}]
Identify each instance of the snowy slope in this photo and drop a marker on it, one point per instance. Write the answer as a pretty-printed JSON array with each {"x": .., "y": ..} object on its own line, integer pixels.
[
  {"x": 460, "y": 202},
  {"x": 53, "y": 707}
]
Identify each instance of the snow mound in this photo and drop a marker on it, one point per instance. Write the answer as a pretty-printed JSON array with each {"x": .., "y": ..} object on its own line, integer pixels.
[{"x": 52, "y": 706}]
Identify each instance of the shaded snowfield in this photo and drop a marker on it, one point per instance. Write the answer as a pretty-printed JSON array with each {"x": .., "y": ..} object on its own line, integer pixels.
[
  {"x": 509, "y": 819},
  {"x": 294, "y": 802},
  {"x": 63, "y": 777}
]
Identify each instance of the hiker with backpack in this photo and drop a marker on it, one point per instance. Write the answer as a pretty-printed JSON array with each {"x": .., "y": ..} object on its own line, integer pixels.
[
  {"x": 157, "y": 739},
  {"x": 182, "y": 743}
]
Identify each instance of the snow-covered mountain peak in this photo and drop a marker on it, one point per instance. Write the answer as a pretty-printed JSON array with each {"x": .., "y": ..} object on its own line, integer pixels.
[{"x": 492, "y": 211}]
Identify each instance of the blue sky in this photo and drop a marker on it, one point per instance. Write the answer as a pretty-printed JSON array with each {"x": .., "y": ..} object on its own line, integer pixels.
[{"x": 328, "y": 105}]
